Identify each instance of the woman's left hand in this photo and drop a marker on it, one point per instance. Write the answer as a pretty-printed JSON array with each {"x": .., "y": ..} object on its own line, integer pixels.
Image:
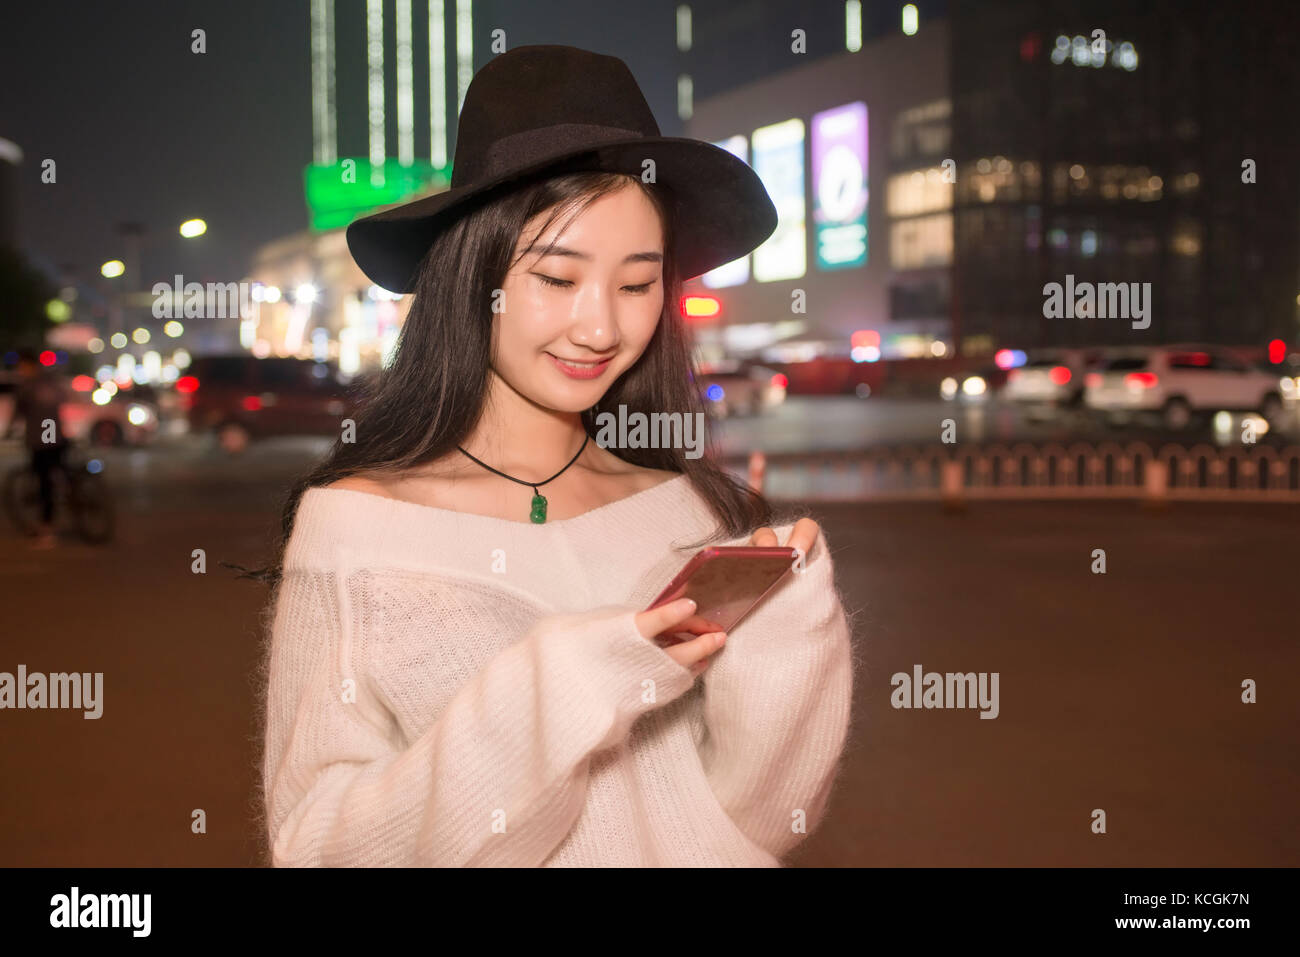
[{"x": 802, "y": 536}]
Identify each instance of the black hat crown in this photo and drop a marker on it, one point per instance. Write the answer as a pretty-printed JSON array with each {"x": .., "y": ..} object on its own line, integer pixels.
[{"x": 522, "y": 105}]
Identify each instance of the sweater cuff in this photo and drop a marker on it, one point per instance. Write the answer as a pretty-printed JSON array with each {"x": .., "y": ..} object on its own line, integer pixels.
[{"x": 628, "y": 670}]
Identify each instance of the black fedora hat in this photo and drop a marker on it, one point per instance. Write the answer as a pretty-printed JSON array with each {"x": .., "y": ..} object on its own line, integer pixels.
[{"x": 547, "y": 108}]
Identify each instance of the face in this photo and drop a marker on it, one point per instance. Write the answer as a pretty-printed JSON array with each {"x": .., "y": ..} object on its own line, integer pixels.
[{"x": 594, "y": 300}]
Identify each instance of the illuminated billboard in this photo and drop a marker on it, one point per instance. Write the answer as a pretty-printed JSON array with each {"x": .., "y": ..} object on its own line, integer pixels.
[
  {"x": 839, "y": 169},
  {"x": 778, "y": 161},
  {"x": 737, "y": 271},
  {"x": 338, "y": 193}
]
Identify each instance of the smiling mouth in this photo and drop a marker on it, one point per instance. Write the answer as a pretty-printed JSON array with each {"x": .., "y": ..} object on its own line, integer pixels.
[
  {"x": 581, "y": 363},
  {"x": 586, "y": 369}
]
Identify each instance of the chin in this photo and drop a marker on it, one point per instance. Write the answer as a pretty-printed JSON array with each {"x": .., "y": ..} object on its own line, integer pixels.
[{"x": 578, "y": 400}]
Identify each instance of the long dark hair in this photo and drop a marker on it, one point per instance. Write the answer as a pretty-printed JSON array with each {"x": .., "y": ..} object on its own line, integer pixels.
[{"x": 427, "y": 401}]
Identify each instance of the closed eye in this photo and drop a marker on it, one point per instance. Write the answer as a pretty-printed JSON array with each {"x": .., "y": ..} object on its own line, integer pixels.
[{"x": 637, "y": 290}]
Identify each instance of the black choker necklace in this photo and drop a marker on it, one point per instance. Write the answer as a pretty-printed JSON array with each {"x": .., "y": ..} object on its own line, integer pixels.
[{"x": 538, "y": 512}]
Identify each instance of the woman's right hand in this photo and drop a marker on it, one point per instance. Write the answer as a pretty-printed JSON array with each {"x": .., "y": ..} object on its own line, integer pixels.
[{"x": 679, "y": 616}]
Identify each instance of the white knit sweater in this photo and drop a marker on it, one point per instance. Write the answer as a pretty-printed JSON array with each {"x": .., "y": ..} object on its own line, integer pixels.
[{"x": 451, "y": 689}]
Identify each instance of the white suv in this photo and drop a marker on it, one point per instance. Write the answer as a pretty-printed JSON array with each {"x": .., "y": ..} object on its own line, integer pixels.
[
  {"x": 1177, "y": 382},
  {"x": 1049, "y": 383}
]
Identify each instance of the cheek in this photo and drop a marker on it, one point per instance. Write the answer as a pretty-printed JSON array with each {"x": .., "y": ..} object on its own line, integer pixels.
[
  {"x": 527, "y": 316},
  {"x": 645, "y": 319}
]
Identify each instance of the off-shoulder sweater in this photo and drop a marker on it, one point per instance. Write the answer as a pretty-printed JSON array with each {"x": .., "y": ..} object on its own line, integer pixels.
[{"x": 453, "y": 689}]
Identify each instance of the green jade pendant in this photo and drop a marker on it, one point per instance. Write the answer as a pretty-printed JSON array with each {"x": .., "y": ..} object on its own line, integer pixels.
[{"x": 538, "y": 514}]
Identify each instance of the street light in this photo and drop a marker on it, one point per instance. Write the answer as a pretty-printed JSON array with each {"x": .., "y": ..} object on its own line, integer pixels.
[
  {"x": 112, "y": 269},
  {"x": 193, "y": 227}
]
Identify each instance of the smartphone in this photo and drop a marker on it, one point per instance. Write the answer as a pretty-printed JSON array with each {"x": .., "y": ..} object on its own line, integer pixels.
[{"x": 726, "y": 583}]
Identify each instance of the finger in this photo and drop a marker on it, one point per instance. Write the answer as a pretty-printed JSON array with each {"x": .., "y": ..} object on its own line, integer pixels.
[
  {"x": 698, "y": 625},
  {"x": 764, "y": 538},
  {"x": 687, "y": 632},
  {"x": 697, "y": 649},
  {"x": 804, "y": 535},
  {"x": 656, "y": 621},
  {"x": 687, "y": 629}
]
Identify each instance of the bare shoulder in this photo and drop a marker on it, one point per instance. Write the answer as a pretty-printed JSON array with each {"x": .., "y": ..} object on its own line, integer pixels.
[
  {"x": 427, "y": 485},
  {"x": 653, "y": 477},
  {"x": 362, "y": 483},
  {"x": 638, "y": 478},
  {"x": 619, "y": 475}
]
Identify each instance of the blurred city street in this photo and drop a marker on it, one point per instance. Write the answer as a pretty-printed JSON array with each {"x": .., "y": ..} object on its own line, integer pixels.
[
  {"x": 1118, "y": 691},
  {"x": 1006, "y": 293}
]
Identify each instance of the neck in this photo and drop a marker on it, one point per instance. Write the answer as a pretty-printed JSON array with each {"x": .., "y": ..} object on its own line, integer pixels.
[{"x": 523, "y": 439}]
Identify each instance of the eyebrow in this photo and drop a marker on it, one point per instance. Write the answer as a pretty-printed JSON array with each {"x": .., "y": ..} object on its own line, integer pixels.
[{"x": 645, "y": 257}]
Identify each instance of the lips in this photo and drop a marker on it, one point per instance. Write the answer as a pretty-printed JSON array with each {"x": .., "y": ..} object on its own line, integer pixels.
[{"x": 580, "y": 369}]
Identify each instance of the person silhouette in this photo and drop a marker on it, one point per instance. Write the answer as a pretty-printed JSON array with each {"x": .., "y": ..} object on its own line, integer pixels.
[{"x": 37, "y": 399}]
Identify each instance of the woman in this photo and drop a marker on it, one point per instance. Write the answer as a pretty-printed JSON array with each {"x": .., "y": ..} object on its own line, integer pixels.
[{"x": 459, "y": 670}]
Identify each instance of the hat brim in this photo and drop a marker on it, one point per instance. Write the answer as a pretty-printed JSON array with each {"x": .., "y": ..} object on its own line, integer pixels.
[{"x": 722, "y": 209}]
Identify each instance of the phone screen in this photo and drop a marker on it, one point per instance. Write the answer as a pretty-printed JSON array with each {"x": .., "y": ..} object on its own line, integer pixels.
[{"x": 726, "y": 583}]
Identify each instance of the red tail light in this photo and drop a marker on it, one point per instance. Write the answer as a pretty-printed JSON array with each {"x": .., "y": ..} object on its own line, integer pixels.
[
  {"x": 252, "y": 403},
  {"x": 1060, "y": 375},
  {"x": 1092, "y": 380},
  {"x": 1140, "y": 380},
  {"x": 780, "y": 381},
  {"x": 697, "y": 307},
  {"x": 187, "y": 383}
]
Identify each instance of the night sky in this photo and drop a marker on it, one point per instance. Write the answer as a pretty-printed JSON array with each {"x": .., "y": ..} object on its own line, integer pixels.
[{"x": 144, "y": 130}]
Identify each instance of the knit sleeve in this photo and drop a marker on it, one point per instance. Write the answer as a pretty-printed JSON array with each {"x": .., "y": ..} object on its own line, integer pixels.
[
  {"x": 777, "y": 707},
  {"x": 497, "y": 778}
]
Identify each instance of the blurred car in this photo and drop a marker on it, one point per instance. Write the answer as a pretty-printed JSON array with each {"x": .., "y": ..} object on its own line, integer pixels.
[
  {"x": 1288, "y": 382},
  {"x": 1048, "y": 384},
  {"x": 162, "y": 398},
  {"x": 1178, "y": 382},
  {"x": 970, "y": 388},
  {"x": 737, "y": 387},
  {"x": 241, "y": 398},
  {"x": 125, "y": 419}
]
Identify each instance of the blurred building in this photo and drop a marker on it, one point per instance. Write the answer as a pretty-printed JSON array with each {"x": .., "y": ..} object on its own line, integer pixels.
[
  {"x": 849, "y": 145},
  {"x": 726, "y": 44},
  {"x": 1122, "y": 161},
  {"x": 312, "y": 299},
  {"x": 11, "y": 156},
  {"x": 1011, "y": 145}
]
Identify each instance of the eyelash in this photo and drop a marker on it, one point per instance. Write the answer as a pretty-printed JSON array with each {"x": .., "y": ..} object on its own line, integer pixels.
[{"x": 642, "y": 288}]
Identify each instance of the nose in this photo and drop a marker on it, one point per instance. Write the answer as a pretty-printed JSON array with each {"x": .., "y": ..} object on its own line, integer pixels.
[{"x": 594, "y": 324}]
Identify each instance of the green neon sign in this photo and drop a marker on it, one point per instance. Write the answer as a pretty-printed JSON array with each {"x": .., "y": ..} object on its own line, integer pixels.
[{"x": 340, "y": 192}]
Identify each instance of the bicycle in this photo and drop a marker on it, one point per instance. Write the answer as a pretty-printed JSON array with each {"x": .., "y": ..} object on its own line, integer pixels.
[{"x": 80, "y": 490}]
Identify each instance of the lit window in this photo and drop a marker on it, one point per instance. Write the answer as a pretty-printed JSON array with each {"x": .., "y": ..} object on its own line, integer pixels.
[{"x": 921, "y": 242}]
